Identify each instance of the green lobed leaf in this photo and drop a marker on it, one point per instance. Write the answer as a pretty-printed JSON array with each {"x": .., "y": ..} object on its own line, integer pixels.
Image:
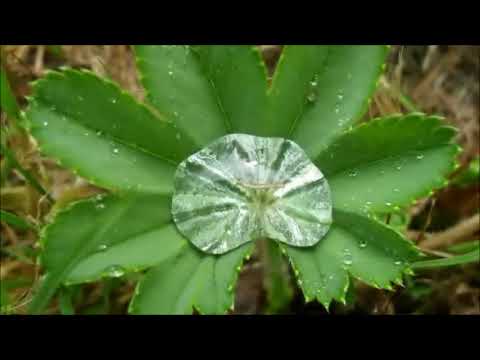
[
  {"x": 190, "y": 280},
  {"x": 319, "y": 91},
  {"x": 177, "y": 85},
  {"x": 7, "y": 99},
  {"x": 238, "y": 76},
  {"x": 218, "y": 82},
  {"x": 356, "y": 245},
  {"x": 105, "y": 236},
  {"x": 388, "y": 162},
  {"x": 102, "y": 133},
  {"x": 157, "y": 159},
  {"x": 131, "y": 255}
]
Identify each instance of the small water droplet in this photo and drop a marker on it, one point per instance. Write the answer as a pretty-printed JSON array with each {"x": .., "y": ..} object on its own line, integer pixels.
[
  {"x": 342, "y": 122},
  {"x": 113, "y": 100},
  {"x": 102, "y": 247},
  {"x": 100, "y": 206},
  {"x": 170, "y": 73},
  {"x": 420, "y": 157},
  {"x": 115, "y": 271},
  {"x": 178, "y": 136},
  {"x": 45, "y": 123},
  {"x": 388, "y": 204},
  {"x": 337, "y": 110},
  {"x": 347, "y": 257},
  {"x": 175, "y": 114},
  {"x": 362, "y": 244},
  {"x": 349, "y": 76},
  {"x": 340, "y": 96},
  {"x": 312, "y": 97},
  {"x": 398, "y": 262},
  {"x": 86, "y": 134},
  {"x": 352, "y": 173},
  {"x": 80, "y": 98},
  {"x": 396, "y": 190},
  {"x": 116, "y": 151},
  {"x": 99, "y": 133}
]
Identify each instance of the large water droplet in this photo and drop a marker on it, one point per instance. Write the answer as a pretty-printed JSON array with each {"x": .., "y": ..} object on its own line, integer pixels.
[{"x": 242, "y": 188}]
